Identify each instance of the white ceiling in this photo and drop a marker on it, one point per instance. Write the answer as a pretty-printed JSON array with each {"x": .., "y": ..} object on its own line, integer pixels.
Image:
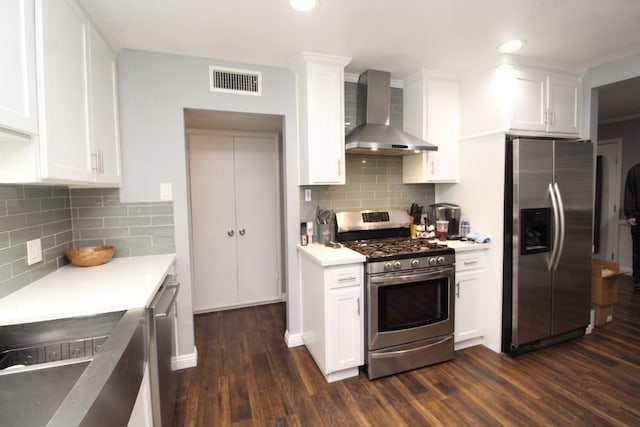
[{"x": 399, "y": 36}]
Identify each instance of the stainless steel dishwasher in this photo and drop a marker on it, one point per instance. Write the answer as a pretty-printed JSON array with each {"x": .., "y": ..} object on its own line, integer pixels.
[{"x": 162, "y": 315}]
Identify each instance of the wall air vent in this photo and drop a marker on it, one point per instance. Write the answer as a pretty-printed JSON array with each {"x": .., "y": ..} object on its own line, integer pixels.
[{"x": 230, "y": 80}]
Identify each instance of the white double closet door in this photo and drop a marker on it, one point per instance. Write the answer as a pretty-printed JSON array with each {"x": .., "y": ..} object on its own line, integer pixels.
[{"x": 234, "y": 214}]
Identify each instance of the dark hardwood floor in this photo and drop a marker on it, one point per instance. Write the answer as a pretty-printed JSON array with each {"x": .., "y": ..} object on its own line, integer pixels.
[{"x": 246, "y": 376}]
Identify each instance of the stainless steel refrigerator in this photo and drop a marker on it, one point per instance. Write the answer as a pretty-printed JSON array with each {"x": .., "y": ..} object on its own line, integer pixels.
[{"x": 548, "y": 242}]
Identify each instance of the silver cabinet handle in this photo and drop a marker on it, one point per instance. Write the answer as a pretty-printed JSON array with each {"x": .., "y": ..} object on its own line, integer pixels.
[
  {"x": 347, "y": 279},
  {"x": 241, "y": 231},
  {"x": 358, "y": 306},
  {"x": 458, "y": 289},
  {"x": 230, "y": 233},
  {"x": 470, "y": 262}
]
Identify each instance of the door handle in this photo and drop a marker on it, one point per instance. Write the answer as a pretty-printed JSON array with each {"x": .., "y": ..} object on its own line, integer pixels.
[
  {"x": 562, "y": 224},
  {"x": 230, "y": 233},
  {"x": 242, "y": 231},
  {"x": 556, "y": 228}
]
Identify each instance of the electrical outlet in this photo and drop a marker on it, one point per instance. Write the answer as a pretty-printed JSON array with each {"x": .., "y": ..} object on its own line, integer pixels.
[
  {"x": 34, "y": 251},
  {"x": 166, "y": 192},
  {"x": 307, "y": 195}
]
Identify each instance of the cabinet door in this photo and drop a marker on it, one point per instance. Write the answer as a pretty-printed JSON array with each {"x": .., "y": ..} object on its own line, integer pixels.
[
  {"x": 104, "y": 123},
  {"x": 563, "y": 104},
  {"x": 442, "y": 130},
  {"x": 256, "y": 219},
  {"x": 234, "y": 220},
  {"x": 468, "y": 305},
  {"x": 62, "y": 90},
  {"x": 18, "y": 109},
  {"x": 320, "y": 94},
  {"x": 344, "y": 334},
  {"x": 326, "y": 124},
  {"x": 431, "y": 108},
  {"x": 528, "y": 101},
  {"x": 213, "y": 219}
]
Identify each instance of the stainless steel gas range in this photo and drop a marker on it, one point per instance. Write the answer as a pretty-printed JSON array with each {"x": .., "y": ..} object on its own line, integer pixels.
[{"x": 408, "y": 291}]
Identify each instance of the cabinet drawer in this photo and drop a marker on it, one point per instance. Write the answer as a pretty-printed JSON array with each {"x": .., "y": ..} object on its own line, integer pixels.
[
  {"x": 469, "y": 261},
  {"x": 339, "y": 277}
]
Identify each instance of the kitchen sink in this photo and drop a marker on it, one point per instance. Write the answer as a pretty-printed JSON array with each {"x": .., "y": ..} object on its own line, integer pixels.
[
  {"x": 29, "y": 396},
  {"x": 81, "y": 371}
]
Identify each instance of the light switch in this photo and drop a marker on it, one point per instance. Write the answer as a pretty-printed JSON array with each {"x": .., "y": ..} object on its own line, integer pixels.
[
  {"x": 307, "y": 195},
  {"x": 166, "y": 192},
  {"x": 34, "y": 251}
]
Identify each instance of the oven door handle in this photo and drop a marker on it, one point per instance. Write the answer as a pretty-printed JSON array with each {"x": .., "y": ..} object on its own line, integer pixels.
[
  {"x": 387, "y": 279},
  {"x": 396, "y": 353}
]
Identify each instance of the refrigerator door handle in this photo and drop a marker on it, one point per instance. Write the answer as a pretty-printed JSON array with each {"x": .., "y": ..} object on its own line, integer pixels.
[
  {"x": 556, "y": 229},
  {"x": 562, "y": 225}
]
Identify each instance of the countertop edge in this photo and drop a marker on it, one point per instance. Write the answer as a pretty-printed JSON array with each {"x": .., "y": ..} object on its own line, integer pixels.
[{"x": 327, "y": 257}]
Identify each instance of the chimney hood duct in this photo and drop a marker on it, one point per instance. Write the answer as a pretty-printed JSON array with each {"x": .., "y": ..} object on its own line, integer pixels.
[{"x": 374, "y": 135}]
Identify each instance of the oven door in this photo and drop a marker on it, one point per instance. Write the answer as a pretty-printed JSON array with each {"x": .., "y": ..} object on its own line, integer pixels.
[{"x": 409, "y": 306}]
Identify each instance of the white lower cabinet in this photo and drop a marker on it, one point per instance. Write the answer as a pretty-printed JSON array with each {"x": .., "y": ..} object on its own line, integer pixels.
[
  {"x": 332, "y": 317},
  {"x": 468, "y": 299},
  {"x": 141, "y": 414}
]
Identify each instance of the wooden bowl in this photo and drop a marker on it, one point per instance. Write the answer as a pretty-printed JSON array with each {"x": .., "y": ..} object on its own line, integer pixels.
[{"x": 88, "y": 256}]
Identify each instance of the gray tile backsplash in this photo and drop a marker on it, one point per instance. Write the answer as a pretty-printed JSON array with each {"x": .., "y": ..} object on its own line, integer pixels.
[
  {"x": 133, "y": 228},
  {"x": 64, "y": 218},
  {"x": 373, "y": 182}
]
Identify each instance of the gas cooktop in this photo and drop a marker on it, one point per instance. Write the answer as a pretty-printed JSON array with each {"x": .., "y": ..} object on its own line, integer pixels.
[{"x": 396, "y": 248}]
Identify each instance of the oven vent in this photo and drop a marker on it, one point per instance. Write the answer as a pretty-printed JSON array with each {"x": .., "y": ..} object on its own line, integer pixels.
[{"x": 231, "y": 80}]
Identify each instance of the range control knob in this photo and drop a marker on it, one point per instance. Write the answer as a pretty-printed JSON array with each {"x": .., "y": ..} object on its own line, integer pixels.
[
  {"x": 397, "y": 265},
  {"x": 433, "y": 261},
  {"x": 440, "y": 260},
  {"x": 387, "y": 266},
  {"x": 415, "y": 263}
]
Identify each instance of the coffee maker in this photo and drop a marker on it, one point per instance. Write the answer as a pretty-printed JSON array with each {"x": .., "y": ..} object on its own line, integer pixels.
[{"x": 449, "y": 212}]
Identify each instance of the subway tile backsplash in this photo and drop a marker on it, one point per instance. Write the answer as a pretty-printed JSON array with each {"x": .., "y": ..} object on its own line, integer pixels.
[
  {"x": 373, "y": 182},
  {"x": 64, "y": 218},
  {"x": 133, "y": 228}
]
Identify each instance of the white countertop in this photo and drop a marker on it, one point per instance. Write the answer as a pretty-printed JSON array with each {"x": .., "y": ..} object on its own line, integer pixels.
[
  {"x": 326, "y": 256},
  {"x": 70, "y": 291},
  {"x": 469, "y": 245}
]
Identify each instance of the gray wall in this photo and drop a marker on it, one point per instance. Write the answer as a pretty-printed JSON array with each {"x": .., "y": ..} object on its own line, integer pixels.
[
  {"x": 65, "y": 218},
  {"x": 154, "y": 90}
]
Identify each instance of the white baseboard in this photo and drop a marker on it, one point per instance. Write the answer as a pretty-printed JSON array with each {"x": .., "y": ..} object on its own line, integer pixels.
[
  {"x": 183, "y": 361},
  {"x": 293, "y": 340}
]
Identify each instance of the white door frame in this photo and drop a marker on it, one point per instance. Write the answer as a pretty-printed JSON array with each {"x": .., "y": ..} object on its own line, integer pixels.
[{"x": 613, "y": 214}]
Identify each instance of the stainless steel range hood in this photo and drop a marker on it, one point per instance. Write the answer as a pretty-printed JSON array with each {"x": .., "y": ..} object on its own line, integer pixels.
[{"x": 374, "y": 135}]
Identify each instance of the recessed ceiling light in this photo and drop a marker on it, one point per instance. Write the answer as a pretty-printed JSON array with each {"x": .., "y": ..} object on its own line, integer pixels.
[
  {"x": 511, "y": 45},
  {"x": 303, "y": 5}
]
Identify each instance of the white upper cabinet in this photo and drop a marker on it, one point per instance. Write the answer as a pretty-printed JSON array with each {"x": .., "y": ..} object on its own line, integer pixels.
[
  {"x": 431, "y": 112},
  {"x": 65, "y": 144},
  {"x": 78, "y": 116},
  {"x": 104, "y": 111},
  {"x": 18, "y": 108},
  {"x": 522, "y": 100},
  {"x": 74, "y": 137},
  {"x": 320, "y": 92},
  {"x": 544, "y": 102}
]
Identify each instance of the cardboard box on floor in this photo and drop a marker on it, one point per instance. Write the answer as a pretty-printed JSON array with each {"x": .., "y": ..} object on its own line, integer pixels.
[
  {"x": 604, "y": 282},
  {"x": 604, "y": 314}
]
